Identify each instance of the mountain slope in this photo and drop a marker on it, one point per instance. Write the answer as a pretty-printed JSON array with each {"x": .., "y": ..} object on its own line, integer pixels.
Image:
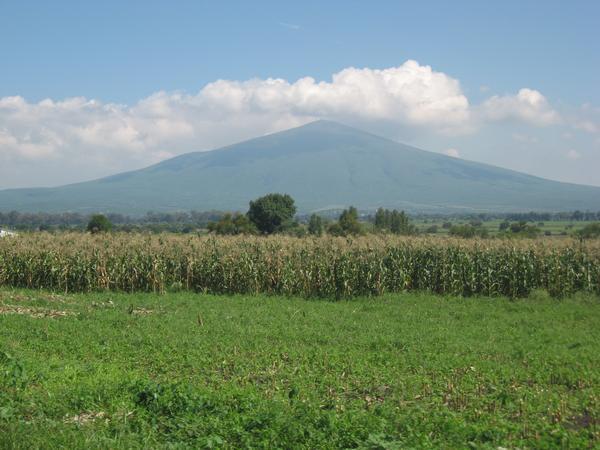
[{"x": 322, "y": 165}]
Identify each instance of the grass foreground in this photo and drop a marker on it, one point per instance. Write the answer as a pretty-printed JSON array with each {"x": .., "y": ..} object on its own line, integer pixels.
[{"x": 200, "y": 371}]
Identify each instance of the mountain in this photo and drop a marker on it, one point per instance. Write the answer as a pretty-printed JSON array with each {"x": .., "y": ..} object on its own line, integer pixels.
[{"x": 323, "y": 165}]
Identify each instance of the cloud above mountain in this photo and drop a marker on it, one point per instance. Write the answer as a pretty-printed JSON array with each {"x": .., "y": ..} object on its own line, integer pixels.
[
  {"x": 528, "y": 105},
  {"x": 410, "y": 94},
  {"x": 89, "y": 138}
]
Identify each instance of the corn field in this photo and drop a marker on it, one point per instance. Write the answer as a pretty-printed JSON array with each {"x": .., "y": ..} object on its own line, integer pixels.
[{"x": 310, "y": 267}]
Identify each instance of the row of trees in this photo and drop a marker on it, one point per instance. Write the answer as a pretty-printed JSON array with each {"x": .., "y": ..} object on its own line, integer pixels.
[
  {"x": 531, "y": 216},
  {"x": 183, "y": 222},
  {"x": 274, "y": 213},
  {"x": 475, "y": 229},
  {"x": 393, "y": 221},
  {"x": 153, "y": 221}
]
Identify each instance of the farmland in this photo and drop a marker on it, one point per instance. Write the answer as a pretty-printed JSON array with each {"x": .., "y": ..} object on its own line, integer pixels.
[
  {"x": 106, "y": 370},
  {"x": 325, "y": 267},
  {"x": 119, "y": 340}
]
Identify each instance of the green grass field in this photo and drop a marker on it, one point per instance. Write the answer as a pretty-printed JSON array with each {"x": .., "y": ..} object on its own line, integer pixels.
[{"x": 398, "y": 371}]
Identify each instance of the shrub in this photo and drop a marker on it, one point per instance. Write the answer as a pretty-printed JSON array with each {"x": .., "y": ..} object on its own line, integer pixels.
[
  {"x": 232, "y": 224},
  {"x": 99, "y": 223},
  {"x": 467, "y": 231},
  {"x": 590, "y": 231}
]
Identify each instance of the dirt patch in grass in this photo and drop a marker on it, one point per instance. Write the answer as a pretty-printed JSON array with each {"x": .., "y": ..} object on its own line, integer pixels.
[
  {"x": 34, "y": 312},
  {"x": 16, "y": 297},
  {"x": 86, "y": 417},
  {"x": 140, "y": 311},
  {"x": 107, "y": 304}
]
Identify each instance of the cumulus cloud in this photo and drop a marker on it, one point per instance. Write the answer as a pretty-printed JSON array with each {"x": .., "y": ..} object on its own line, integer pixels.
[
  {"x": 87, "y": 138},
  {"x": 102, "y": 138},
  {"x": 573, "y": 154},
  {"x": 528, "y": 105},
  {"x": 410, "y": 94}
]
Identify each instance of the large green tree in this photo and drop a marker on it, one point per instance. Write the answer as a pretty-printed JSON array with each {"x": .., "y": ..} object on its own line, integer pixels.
[
  {"x": 271, "y": 211},
  {"x": 99, "y": 223}
]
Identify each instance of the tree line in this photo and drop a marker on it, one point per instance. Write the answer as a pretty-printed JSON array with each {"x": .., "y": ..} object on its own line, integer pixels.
[
  {"x": 531, "y": 216},
  {"x": 275, "y": 213},
  {"x": 179, "y": 222}
]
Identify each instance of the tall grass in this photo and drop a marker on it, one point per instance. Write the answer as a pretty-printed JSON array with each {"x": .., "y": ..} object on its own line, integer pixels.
[{"x": 320, "y": 267}]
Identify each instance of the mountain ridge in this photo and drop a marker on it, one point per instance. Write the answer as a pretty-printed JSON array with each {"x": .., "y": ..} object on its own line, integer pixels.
[{"x": 322, "y": 165}]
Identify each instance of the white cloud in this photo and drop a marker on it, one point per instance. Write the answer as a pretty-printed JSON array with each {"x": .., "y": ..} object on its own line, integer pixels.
[
  {"x": 98, "y": 138},
  {"x": 410, "y": 94},
  {"x": 452, "y": 152},
  {"x": 528, "y": 105},
  {"x": 587, "y": 126},
  {"x": 573, "y": 154},
  {"x": 85, "y": 138}
]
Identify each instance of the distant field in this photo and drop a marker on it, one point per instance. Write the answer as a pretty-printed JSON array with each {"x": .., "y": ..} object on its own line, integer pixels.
[
  {"x": 557, "y": 228},
  {"x": 198, "y": 371}
]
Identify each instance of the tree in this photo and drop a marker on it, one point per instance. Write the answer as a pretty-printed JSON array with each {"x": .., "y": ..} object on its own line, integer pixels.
[
  {"x": 335, "y": 229},
  {"x": 393, "y": 221},
  {"x": 399, "y": 222},
  {"x": 271, "y": 211},
  {"x": 463, "y": 231},
  {"x": 232, "y": 224},
  {"x": 520, "y": 229},
  {"x": 315, "y": 225},
  {"x": 348, "y": 221},
  {"x": 382, "y": 219},
  {"x": 590, "y": 231},
  {"x": 99, "y": 223},
  {"x": 468, "y": 231},
  {"x": 577, "y": 215},
  {"x": 432, "y": 229}
]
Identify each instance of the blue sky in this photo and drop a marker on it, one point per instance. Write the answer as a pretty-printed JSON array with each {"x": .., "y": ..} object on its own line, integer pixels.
[{"x": 114, "y": 57}]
